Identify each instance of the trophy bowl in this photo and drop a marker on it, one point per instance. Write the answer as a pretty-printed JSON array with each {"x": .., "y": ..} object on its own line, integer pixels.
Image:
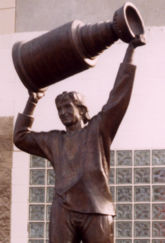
[{"x": 127, "y": 22}]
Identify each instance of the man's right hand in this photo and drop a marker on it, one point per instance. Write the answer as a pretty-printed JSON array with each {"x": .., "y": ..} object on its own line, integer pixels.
[{"x": 36, "y": 96}]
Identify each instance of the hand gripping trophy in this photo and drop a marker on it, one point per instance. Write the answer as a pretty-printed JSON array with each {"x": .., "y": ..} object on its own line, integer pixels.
[{"x": 82, "y": 208}]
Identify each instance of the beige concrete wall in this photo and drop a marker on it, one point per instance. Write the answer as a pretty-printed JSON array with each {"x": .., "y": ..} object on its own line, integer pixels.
[
  {"x": 20, "y": 197},
  {"x": 7, "y": 16},
  {"x": 34, "y": 15}
]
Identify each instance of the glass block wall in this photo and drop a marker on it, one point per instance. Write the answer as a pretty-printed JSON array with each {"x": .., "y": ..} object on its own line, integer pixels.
[
  {"x": 41, "y": 187},
  {"x": 137, "y": 182}
]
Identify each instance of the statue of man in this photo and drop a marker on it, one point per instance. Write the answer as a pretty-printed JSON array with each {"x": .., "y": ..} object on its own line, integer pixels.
[{"x": 82, "y": 208}]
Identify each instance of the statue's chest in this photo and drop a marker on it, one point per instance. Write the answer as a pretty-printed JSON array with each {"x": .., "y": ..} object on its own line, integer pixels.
[{"x": 71, "y": 147}]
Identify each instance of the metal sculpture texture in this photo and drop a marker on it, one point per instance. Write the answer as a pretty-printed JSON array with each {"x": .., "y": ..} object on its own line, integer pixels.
[{"x": 82, "y": 209}]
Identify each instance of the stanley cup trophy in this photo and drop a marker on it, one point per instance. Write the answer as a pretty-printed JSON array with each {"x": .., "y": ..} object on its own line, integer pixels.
[
  {"x": 72, "y": 48},
  {"x": 82, "y": 209}
]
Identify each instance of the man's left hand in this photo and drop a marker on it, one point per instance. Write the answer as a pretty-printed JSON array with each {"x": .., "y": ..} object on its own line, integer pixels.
[{"x": 138, "y": 41}]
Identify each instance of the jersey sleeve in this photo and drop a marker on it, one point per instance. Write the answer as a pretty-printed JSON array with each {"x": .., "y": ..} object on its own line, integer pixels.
[
  {"x": 37, "y": 143},
  {"x": 114, "y": 110}
]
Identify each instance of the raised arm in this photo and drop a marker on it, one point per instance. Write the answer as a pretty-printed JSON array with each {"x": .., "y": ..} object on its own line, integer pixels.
[
  {"x": 116, "y": 106},
  {"x": 25, "y": 139},
  {"x": 138, "y": 41},
  {"x": 32, "y": 102}
]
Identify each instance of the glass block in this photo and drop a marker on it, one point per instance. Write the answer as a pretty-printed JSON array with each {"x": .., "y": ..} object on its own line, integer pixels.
[
  {"x": 112, "y": 190},
  {"x": 123, "y": 241},
  {"x": 141, "y": 175},
  {"x": 142, "y": 229},
  {"x": 142, "y": 193},
  {"x": 124, "y": 211},
  {"x": 37, "y": 177},
  {"x": 158, "y": 241},
  {"x": 51, "y": 177},
  {"x": 36, "y": 212},
  {"x": 124, "y": 176},
  {"x": 36, "y": 241},
  {"x": 142, "y": 241},
  {"x": 158, "y": 211},
  {"x": 124, "y": 157},
  {"x": 124, "y": 194},
  {"x": 158, "y": 229},
  {"x": 37, "y": 161},
  {"x": 142, "y": 211},
  {"x": 142, "y": 157},
  {"x": 111, "y": 177},
  {"x": 47, "y": 230},
  {"x": 36, "y": 194},
  {"x": 50, "y": 194},
  {"x": 49, "y": 165},
  {"x": 36, "y": 230},
  {"x": 158, "y": 157},
  {"x": 158, "y": 193},
  {"x": 112, "y": 158},
  {"x": 48, "y": 209},
  {"x": 158, "y": 175},
  {"x": 124, "y": 229}
]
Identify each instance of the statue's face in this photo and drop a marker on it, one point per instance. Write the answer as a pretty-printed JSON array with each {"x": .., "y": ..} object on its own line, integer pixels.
[{"x": 68, "y": 112}]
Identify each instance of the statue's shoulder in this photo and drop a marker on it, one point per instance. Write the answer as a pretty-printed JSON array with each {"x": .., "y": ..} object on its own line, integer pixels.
[
  {"x": 94, "y": 121},
  {"x": 56, "y": 132}
]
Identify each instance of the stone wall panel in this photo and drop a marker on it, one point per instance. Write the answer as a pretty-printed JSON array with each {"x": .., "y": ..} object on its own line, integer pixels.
[{"x": 6, "y": 127}]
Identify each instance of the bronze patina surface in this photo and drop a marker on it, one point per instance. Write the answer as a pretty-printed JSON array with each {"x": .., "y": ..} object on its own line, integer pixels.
[{"x": 82, "y": 208}]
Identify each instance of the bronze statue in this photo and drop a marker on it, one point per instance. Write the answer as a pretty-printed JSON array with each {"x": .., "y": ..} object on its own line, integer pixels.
[{"x": 82, "y": 209}]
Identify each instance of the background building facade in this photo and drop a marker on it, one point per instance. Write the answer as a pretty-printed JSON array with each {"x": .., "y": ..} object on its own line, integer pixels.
[{"x": 138, "y": 151}]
